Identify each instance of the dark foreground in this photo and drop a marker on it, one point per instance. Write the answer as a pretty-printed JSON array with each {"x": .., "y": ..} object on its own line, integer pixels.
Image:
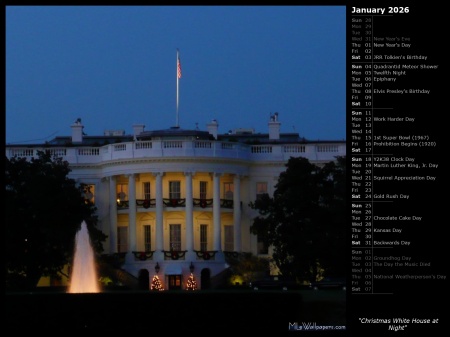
[{"x": 199, "y": 311}]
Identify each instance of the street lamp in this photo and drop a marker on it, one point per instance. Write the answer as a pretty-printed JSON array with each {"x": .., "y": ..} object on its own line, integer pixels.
[
  {"x": 191, "y": 267},
  {"x": 157, "y": 268}
]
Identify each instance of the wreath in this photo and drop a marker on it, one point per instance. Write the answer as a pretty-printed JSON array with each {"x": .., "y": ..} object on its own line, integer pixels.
[
  {"x": 203, "y": 203},
  {"x": 206, "y": 256},
  {"x": 173, "y": 202},
  {"x": 175, "y": 256},
  {"x": 142, "y": 256},
  {"x": 146, "y": 203}
]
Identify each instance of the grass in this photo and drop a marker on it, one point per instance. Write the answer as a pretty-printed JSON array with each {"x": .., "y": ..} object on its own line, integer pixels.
[
  {"x": 245, "y": 310},
  {"x": 325, "y": 307}
]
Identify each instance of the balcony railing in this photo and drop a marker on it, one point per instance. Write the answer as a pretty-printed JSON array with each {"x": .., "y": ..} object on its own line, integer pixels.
[
  {"x": 176, "y": 202},
  {"x": 174, "y": 254},
  {"x": 203, "y": 203},
  {"x": 325, "y": 151},
  {"x": 142, "y": 255},
  {"x": 205, "y": 254}
]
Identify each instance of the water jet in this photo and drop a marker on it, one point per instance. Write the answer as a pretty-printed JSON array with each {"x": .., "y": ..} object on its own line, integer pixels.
[{"x": 83, "y": 278}]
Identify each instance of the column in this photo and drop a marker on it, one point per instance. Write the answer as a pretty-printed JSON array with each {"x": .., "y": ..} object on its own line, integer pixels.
[
  {"x": 217, "y": 244},
  {"x": 112, "y": 215},
  {"x": 237, "y": 212},
  {"x": 132, "y": 213},
  {"x": 159, "y": 213},
  {"x": 189, "y": 213}
]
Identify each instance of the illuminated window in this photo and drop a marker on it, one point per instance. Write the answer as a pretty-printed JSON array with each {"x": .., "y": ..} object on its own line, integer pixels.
[
  {"x": 147, "y": 238},
  {"x": 203, "y": 237},
  {"x": 122, "y": 192},
  {"x": 203, "y": 189},
  {"x": 175, "y": 237},
  {"x": 174, "y": 281},
  {"x": 261, "y": 189},
  {"x": 228, "y": 189},
  {"x": 89, "y": 192},
  {"x": 146, "y": 190},
  {"x": 174, "y": 190}
]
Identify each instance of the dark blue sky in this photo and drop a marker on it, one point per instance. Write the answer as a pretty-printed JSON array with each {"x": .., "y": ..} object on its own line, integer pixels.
[{"x": 116, "y": 66}]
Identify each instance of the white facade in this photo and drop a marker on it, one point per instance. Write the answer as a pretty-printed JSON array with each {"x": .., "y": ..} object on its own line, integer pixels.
[{"x": 179, "y": 198}]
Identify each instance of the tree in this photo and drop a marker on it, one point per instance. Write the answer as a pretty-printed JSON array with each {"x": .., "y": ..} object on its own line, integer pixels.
[
  {"x": 191, "y": 283},
  {"x": 304, "y": 221},
  {"x": 44, "y": 211},
  {"x": 247, "y": 266},
  {"x": 334, "y": 220},
  {"x": 156, "y": 284}
]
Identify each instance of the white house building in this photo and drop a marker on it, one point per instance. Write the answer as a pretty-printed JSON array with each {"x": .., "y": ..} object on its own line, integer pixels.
[{"x": 176, "y": 199}]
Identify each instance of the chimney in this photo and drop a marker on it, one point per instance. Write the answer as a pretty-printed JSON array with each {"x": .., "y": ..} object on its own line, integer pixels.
[
  {"x": 213, "y": 127},
  {"x": 77, "y": 131},
  {"x": 138, "y": 129},
  {"x": 274, "y": 127}
]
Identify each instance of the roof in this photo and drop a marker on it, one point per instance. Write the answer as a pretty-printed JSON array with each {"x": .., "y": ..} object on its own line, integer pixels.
[{"x": 175, "y": 132}]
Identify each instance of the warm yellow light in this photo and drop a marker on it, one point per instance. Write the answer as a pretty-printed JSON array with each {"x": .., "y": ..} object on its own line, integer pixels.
[{"x": 237, "y": 279}]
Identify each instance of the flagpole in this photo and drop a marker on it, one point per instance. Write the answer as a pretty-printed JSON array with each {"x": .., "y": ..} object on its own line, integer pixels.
[{"x": 178, "y": 77}]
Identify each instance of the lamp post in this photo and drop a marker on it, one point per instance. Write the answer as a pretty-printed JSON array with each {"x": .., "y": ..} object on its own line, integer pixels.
[
  {"x": 157, "y": 268},
  {"x": 191, "y": 267}
]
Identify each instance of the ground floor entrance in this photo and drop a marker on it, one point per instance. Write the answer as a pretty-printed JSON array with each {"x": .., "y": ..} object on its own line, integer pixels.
[{"x": 174, "y": 282}]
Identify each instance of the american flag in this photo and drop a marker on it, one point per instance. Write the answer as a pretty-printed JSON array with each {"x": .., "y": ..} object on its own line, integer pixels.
[{"x": 179, "y": 68}]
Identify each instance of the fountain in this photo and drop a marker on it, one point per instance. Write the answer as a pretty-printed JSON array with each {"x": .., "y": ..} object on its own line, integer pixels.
[
  {"x": 85, "y": 306},
  {"x": 83, "y": 278}
]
